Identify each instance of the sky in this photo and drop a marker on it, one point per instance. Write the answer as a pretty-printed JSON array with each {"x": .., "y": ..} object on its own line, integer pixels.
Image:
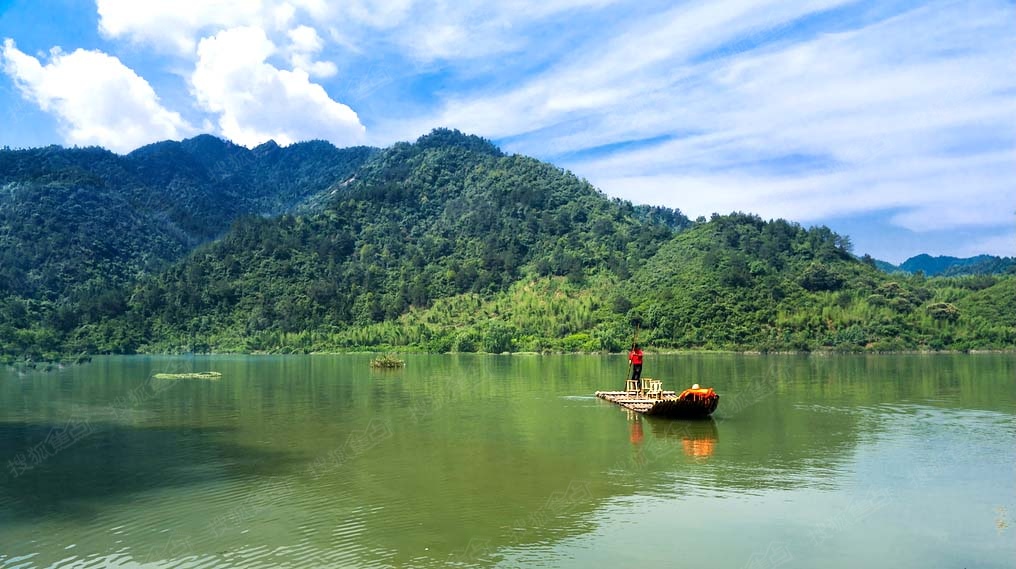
[{"x": 893, "y": 122}]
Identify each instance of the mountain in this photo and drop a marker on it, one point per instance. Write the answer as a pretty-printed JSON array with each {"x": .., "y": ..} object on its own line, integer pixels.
[
  {"x": 73, "y": 216},
  {"x": 447, "y": 216},
  {"x": 77, "y": 225},
  {"x": 737, "y": 280},
  {"x": 954, "y": 266},
  {"x": 444, "y": 244},
  {"x": 448, "y": 244}
]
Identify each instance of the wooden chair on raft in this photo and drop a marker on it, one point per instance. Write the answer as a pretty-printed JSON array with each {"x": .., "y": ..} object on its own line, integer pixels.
[
  {"x": 632, "y": 386},
  {"x": 654, "y": 388}
]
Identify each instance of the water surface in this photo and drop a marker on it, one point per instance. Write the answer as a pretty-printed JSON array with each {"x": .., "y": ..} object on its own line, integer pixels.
[{"x": 498, "y": 461}]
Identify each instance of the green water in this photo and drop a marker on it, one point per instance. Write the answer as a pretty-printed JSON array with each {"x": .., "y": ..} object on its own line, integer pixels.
[{"x": 463, "y": 461}]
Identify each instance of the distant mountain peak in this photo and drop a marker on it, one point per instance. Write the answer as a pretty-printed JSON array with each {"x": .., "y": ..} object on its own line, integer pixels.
[
  {"x": 269, "y": 144},
  {"x": 202, "y": 144},
  {"x": 445, "y": 137},
  {"x": 944, "y": 265}
]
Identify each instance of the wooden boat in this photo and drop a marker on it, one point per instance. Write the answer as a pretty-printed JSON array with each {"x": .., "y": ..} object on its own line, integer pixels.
[{"x": 649, "y": 398}]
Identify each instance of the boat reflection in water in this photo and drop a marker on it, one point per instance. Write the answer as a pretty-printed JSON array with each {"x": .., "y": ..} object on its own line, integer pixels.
[
  {"x": 634, "y": 428},
  {"x": 700, "y": 443},
  {"x": 698, "y": 438}
]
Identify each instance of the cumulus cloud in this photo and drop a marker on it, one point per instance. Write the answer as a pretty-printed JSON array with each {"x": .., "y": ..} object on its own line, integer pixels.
[
  {"x": 253, "y": 63},
  {"x": 305, "y": 44},
  {"x": 95, "y": 97},
  {"x": 257, "y": 101},
  {"x": 175, "y": 24}
]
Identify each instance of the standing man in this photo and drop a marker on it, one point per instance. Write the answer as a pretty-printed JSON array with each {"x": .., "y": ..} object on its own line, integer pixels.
[{"x": 635, "y": 357}]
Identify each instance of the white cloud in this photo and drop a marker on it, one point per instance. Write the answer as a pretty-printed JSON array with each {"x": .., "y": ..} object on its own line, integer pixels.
[
  {"x": 305, "y": 44},
  {"x": 176, "y": 24},
  {"x": 930, "y": 195},
  {"x": 305, "y": 39},
  {"x": 423, "y": 30},
  {"x": 627, "y": 74},
  {"x": 435, "y": 31},
  {"x": 95, "y": 97},
  {"x": 912, "y": 112},
  {"x": 377, "y": 14},
  {"x": 256, "y": 101}
]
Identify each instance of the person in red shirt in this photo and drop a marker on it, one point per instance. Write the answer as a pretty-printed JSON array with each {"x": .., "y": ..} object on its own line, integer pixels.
[{"x": 635, "y": 357}]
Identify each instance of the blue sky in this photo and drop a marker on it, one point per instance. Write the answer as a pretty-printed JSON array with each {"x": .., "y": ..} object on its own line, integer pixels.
[{"x": 893, "y": 122}]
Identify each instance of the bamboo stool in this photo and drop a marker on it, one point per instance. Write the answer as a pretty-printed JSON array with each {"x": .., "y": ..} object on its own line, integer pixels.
[{"x": 655, "y": 389}]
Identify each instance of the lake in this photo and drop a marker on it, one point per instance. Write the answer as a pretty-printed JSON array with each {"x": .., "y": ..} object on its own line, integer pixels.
[{"x": 509, "y": 461}]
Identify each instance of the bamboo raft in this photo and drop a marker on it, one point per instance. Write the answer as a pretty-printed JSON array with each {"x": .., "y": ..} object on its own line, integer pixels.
[
  {"x": 649, "y": 398},
  {"x": 194, "y": 375}
]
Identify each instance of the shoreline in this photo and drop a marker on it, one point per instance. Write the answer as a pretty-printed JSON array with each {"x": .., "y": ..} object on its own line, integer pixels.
[{"x": 51, "y": 365}]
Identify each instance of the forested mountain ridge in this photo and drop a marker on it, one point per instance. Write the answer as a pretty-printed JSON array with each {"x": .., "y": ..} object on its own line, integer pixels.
[
  {"x": 125, "y": 215},
  {"x": 79, "y": 224},
  {"x": 442, "y": 244}
]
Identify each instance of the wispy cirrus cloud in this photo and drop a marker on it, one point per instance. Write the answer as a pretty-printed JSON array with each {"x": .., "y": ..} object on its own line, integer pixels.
[
  {"x": 633, "y": 68},
  {"x": 421, "y": 31},
  {"x": 764, "y": 108}
]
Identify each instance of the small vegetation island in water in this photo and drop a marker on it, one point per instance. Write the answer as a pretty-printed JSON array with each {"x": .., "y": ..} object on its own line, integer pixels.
[
  {"x": 445, "y": 244},
  {"x": 387, "y": 361}
]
